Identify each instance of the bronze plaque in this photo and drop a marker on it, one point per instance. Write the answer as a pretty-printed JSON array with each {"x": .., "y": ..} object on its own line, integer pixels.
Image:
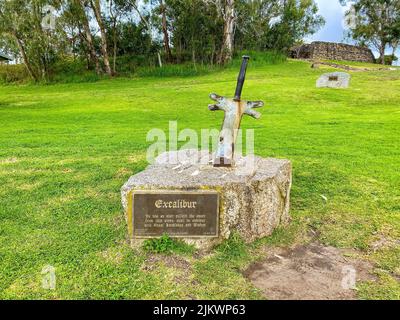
[{"x": 178, "y": 214}]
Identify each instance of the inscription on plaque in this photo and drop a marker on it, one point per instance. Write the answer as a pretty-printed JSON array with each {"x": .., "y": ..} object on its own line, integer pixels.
[{"x": 178, "y": 214}]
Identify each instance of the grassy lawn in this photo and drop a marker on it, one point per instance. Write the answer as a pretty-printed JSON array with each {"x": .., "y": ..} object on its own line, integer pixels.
[
  {"x": 67, "y": 149},
  {"x": 361, "y": 65}
]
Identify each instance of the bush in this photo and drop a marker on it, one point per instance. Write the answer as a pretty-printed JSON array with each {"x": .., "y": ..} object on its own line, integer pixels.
[
  {"x": 15, "y": 73},
  {"x": 390, "y": 59},
  {"x": 72, "y": 71},
  {"x": 129, "y": 64}
]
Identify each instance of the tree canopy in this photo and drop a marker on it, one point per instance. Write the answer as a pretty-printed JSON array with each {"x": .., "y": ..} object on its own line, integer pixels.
[
  {"x": 101, "y": 33},
  {"x": 376, "y": 23}
]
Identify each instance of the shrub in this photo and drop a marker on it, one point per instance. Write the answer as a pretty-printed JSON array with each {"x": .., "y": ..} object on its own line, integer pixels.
[
  {"x": 15, "y": 73},
  {"x": 72, "y": 71},
  {"x": 390, "y": 59}
]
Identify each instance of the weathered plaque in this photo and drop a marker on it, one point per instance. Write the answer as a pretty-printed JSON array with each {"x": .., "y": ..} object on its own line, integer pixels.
[{"x": 178, "y": 214}]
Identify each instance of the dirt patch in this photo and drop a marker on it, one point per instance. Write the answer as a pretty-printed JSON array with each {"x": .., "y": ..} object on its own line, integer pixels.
[
  {"x": 311, "y": 272},
  {"x": 171, "y": 261},
  {"x": 179, "y": 264}
]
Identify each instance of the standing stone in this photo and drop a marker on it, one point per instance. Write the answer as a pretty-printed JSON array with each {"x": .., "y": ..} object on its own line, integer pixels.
[
  {"x": 253, "y": 195},
  {"x": 334, "y": 80}
]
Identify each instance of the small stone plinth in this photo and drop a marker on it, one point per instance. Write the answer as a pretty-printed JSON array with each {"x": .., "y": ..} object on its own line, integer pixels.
[
  {"x": 253, "y": 195},
  {"x": 334, "y": 80}
]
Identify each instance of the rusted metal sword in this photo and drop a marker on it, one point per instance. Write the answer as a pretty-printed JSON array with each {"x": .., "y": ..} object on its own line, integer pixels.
[{"x": 234, "y": 110}]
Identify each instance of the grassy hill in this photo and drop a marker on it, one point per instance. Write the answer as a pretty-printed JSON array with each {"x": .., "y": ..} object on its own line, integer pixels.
[{"x": 66, "y": 150}]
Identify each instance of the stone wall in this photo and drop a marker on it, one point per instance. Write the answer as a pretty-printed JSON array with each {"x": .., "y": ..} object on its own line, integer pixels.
[{"x": 333, "y": 51}]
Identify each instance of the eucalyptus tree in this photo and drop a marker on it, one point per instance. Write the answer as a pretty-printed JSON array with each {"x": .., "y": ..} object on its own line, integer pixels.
[
  {"x": 75, "y": 15},
  {"x": 33, "y": 28},
  {"x": 254, "y": 22},
  {"x": 226, "y": 10},
  {"x": 13, "y": 25},
  {"x": 162, "y": 9},
  {"x": 297, "y": 19},
  {"x": 96, "y": 6},
  {"x": 376, "y": 22},
  {"x": 146, "y": 17},
  {"x": 116, "y": 12},
  {"x": 195, "y": 29}
]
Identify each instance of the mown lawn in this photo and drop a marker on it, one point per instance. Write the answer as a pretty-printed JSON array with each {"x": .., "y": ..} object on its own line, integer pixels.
[{"x": 67, "y": 149}]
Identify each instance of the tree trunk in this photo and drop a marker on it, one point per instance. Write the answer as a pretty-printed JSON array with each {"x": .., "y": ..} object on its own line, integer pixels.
[
  {"x": 179, "y": 52},
  {"x": 41, "y": 51},
  {"x": 194, "y": 59},
  {"x": 394, "y": 48},
  {"x": 95, "y": 4},
  {"x": 229, "y": 22},
  {"x": 114, "y": 21},
  {"x": 167, "y": 48},
  {"x": 89, "y": 38},
  {"x": 92, "y": 50},
  {"x": 115, "y": 46},
  {"x": 25, "y": 58},
  {"x": 382, "y": 52}
]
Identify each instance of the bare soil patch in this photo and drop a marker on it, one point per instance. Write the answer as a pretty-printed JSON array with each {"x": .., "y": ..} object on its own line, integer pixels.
[{"x": 311, "y": 272}]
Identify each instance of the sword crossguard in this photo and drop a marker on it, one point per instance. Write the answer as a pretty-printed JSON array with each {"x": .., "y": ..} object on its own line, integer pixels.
[{"x": 234, "y": 111}]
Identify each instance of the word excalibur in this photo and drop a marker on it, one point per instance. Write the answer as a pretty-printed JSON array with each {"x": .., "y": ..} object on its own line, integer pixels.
[{"x": 234, "y": 110}]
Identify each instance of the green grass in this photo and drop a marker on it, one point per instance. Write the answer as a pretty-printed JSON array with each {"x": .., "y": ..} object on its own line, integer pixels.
[
  {"x": 66, "y": 150},
  {"x": 361, "y": 64},
  {"x": 167, "y": 245}
]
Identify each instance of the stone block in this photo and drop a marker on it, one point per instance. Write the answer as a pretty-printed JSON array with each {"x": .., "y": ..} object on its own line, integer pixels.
[
  {"x": 254, "y": 195},
  {"x": 334, "y": 80}
]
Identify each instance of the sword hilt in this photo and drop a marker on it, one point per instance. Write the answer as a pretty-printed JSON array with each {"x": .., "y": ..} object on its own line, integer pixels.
[{"x": 241, "y": 78}]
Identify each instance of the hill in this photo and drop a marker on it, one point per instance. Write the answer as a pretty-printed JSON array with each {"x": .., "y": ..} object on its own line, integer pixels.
[{"x": 66, "y": 150}]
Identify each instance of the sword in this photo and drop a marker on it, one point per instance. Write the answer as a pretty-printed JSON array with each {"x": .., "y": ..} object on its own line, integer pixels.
[{"x": 234, "y": 110}]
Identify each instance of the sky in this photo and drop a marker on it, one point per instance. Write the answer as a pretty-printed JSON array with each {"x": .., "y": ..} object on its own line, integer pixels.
[
  {"x": 333, "y": 31},
  {"x": 333, "y": 13}
]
